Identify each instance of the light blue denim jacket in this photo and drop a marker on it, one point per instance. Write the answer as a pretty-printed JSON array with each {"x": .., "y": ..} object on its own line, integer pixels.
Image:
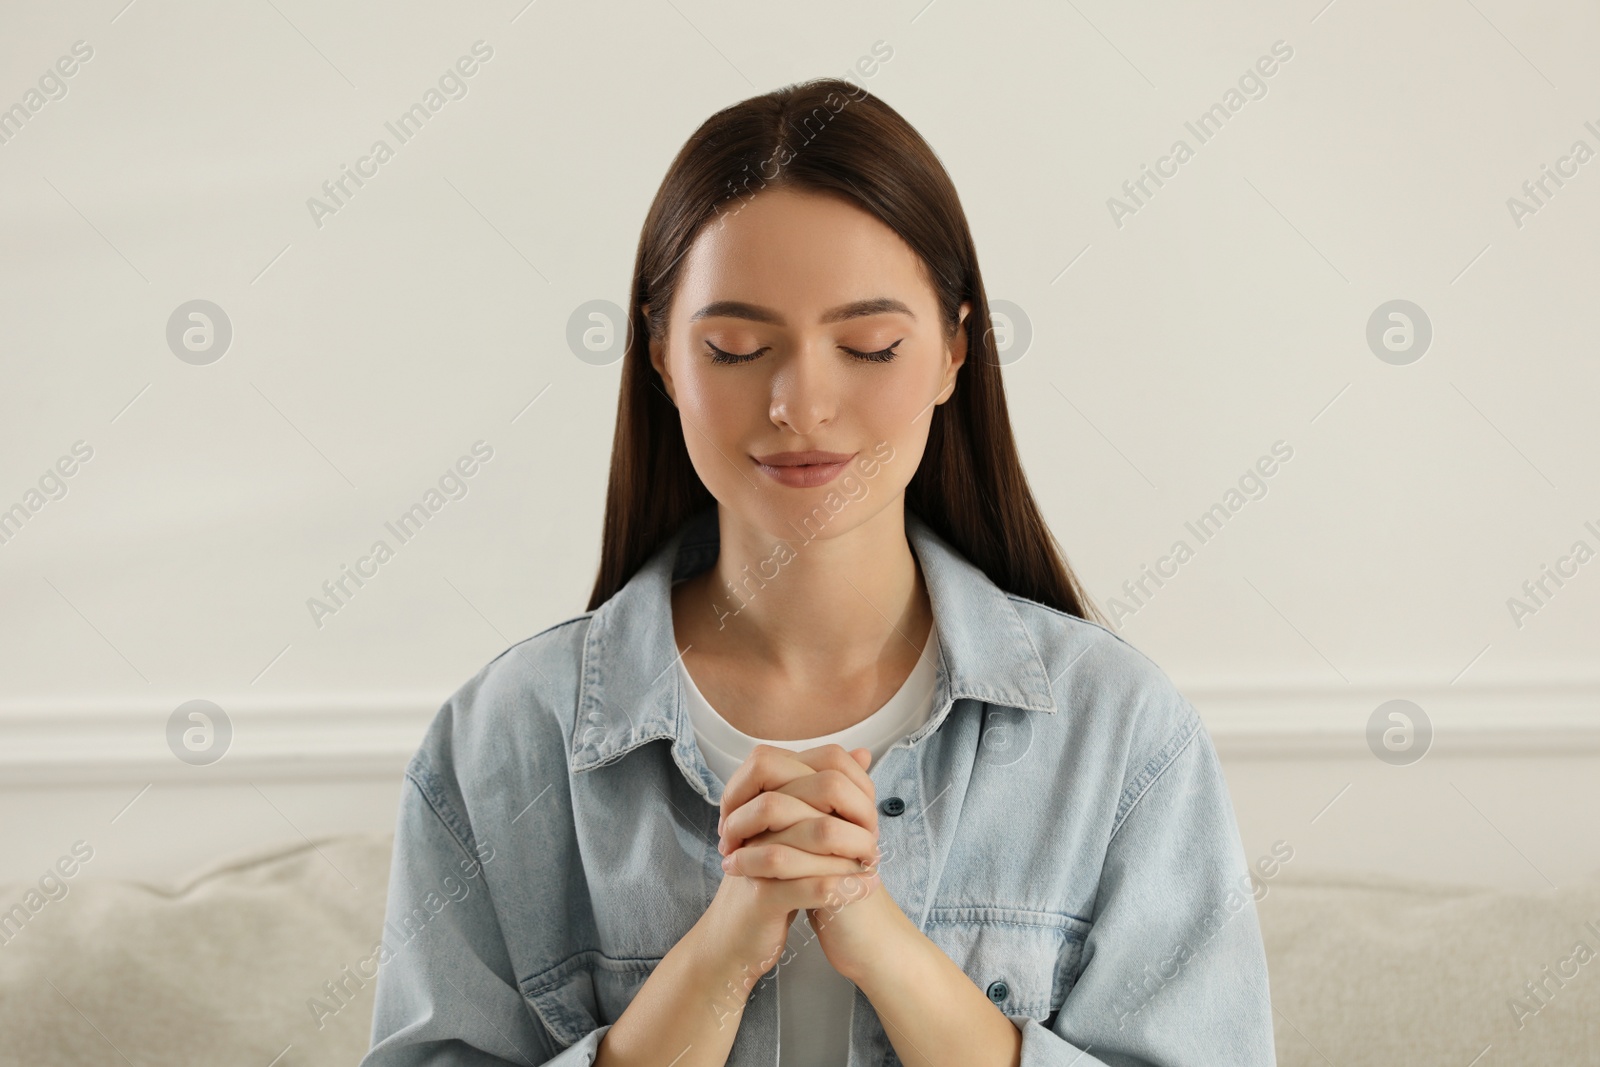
[{"x": 1060, "y": 827}]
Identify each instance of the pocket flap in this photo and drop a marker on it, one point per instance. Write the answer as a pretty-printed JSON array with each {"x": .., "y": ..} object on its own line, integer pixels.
[
  {"x": 584, "y": 992},
  {"x": 1021, "y": 959}
]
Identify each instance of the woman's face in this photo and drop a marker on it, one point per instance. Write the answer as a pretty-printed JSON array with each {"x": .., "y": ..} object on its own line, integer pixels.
[{"x": 802, "y": 323}]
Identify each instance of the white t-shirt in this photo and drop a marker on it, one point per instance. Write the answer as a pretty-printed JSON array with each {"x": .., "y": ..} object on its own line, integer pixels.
[{"x": 815, "y": 1002}]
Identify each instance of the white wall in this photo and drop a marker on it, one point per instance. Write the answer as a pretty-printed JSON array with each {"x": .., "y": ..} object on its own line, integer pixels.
[
  {"x": 1168, "y": 354},
  {"x": 1512, "y": 821}
]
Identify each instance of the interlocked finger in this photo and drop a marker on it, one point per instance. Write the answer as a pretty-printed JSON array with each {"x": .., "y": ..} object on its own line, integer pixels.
[
  {"x": 797, "y": 824},
  {"x": 770, "y": 768},
  {"x": 779, "y": 861},
  {"x": 828, "y": 792}
]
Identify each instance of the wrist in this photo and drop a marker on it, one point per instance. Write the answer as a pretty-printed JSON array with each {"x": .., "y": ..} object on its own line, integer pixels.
[
  {"x": 724, "y": 974},
  {"x": 897, "y": 948}
]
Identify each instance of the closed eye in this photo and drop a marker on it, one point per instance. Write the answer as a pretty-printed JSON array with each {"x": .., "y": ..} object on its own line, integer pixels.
[
  {"x": 719, "y": 356},
  {"x": 882, "y": 355}
]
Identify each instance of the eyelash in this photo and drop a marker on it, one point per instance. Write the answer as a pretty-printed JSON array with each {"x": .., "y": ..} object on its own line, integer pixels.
[{"x": 883, "y": 355}]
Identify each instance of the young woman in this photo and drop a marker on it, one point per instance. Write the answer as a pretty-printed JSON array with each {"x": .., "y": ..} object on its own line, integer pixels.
[{"x": 837, "y": 762}]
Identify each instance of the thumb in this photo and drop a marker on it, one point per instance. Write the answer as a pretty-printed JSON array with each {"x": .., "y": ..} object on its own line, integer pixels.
[{"x": 863, "y": 756}]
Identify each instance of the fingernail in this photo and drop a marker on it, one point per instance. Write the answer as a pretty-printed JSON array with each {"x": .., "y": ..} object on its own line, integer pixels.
[{"x": 727, "y": 862}]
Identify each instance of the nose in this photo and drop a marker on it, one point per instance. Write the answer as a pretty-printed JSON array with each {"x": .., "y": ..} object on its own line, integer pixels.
[{"x": 805, "y": 392}]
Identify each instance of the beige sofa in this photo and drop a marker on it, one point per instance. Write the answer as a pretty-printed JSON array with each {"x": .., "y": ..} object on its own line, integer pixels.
[{"x": 258, "y": 962}]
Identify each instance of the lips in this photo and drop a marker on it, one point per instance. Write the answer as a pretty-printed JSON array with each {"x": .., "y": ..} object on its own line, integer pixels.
[
  {"x": 803, "y": 470},
  {"x": 801, "y": 459}
]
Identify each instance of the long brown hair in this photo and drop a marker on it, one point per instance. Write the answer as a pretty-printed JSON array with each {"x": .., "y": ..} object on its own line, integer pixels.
[{"x": 829, "y": 135}]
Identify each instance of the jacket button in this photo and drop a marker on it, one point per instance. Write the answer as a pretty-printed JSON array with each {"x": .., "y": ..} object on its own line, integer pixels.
[
  {"x": 998, "y": 991},
  {"x": 892, "y": 806}
]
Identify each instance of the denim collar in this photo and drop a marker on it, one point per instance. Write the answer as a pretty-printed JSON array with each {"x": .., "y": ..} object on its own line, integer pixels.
[{"x": 630, "y": 693}]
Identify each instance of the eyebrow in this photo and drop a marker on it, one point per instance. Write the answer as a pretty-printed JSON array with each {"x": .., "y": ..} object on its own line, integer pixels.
[{"x": 738, "y": 309}]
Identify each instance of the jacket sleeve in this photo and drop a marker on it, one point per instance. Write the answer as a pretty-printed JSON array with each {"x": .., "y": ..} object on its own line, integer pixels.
[
  {"x": 1173, "y": 971},
  {"x": 446, "y": 992}
]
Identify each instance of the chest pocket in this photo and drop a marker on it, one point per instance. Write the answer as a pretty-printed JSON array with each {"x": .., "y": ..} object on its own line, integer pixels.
[
  {"x": 585, "y": 992},
  {"x": 1024, "y": 961}
]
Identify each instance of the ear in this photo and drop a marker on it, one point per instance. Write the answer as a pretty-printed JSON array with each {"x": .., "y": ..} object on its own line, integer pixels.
[
  {"x": 658, "y": 360},
  {"x": 958, "y": 353}
]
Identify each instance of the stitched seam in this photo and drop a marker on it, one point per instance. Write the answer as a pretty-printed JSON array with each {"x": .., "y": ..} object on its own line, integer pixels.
[
  {"x": 541, "y": 633},
  {"x": 1192, "y": 726},
  {"x": 1086, "y": 622},
  {"x": 944, "y": 914},
  {"x": 439, "y": 806},
  {"x": 990, "y": 696},
  {"x": 1065, "y": 931},
  {"x": 1028, "y": 634},
  {"x": 435, "y": 803},
  {"x": 555, "y": 975}
]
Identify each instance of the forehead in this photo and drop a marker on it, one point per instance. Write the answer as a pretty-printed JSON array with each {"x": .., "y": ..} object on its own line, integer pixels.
[{"x": 800, "y": 252}]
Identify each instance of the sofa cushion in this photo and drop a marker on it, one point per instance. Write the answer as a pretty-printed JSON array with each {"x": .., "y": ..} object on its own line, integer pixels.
[
  {"x": 1370, "y": 970},
  {"x": 226, "y": 968},
  {"x": 262, "y": 960}
]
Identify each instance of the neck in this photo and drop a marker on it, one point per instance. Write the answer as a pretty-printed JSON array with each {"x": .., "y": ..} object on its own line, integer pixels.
[{"x": 821, "y": 606}]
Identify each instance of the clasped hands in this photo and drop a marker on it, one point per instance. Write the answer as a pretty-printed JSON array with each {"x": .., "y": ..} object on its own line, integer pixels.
[{"x": 781, "y": 810}]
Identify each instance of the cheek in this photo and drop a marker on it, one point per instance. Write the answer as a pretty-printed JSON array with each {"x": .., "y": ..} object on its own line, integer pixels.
[
  {"x": 719, "y": 405},
  {"x": 717, "y": 412},
  {"x": 898, "y": 403},
  {"x": 896, "y": 416}
]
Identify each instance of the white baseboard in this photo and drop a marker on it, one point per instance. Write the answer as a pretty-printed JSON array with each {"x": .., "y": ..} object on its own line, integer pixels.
[
  {"x": 301, "y": 738},
  {"x": 309, "y": 737},
  {"x": 1289, "y": 719}
]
